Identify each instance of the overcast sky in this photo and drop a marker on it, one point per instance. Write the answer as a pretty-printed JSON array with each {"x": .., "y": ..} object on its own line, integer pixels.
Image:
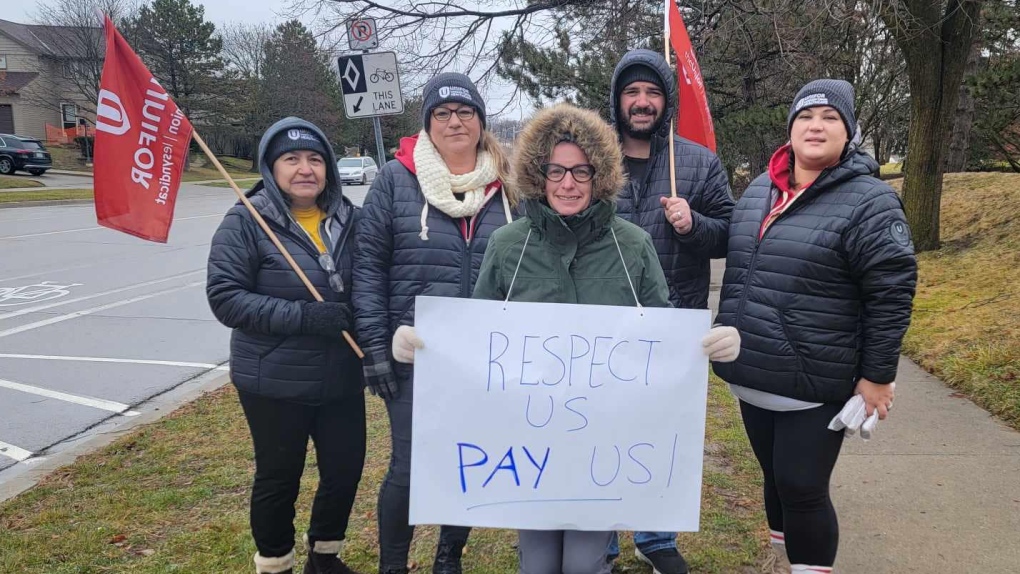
[
  {"x": 219, "y": 11},
  {"x": 222, "y": 12}
]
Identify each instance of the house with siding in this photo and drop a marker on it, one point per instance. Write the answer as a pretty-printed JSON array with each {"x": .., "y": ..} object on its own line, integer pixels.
[{"x": 45, "y": 76}]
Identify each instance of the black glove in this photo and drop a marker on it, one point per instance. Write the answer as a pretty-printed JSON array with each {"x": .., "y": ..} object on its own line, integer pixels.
[
  {"x": 326, "y": 319},
  {"x": 379, "y": 376}
]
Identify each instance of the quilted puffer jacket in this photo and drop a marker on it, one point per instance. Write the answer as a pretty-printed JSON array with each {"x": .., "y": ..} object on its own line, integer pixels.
[{"x": 823, "y": 297}]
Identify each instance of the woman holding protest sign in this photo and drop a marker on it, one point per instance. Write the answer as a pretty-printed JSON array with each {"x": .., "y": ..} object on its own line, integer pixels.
[
  {"x": 819, "y": 280},
  {"x": 425, "y": 225},
  {"x": 295, "y": 374},
  {"x": 572, "y": 248}
]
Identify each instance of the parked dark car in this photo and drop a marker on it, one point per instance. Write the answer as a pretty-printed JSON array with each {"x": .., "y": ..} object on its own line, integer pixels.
[{"x": 23, "y": 153}]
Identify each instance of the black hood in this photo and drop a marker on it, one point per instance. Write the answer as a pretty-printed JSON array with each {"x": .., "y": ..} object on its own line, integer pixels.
[{"x": 657, "y": 63}]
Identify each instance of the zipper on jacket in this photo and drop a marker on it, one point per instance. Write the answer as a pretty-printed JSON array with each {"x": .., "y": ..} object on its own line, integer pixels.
[
  {"x": 465, "y": 260},
  {"x": 759, "y": 240}
]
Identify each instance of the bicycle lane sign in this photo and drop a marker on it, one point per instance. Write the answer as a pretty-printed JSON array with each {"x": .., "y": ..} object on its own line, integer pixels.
[{"x": 370, "y": 84}]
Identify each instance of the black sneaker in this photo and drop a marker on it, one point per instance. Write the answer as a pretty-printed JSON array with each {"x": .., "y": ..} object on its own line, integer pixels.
[
  {"x": 665, "y": 561},
  {"x": 448, "y": 559}
]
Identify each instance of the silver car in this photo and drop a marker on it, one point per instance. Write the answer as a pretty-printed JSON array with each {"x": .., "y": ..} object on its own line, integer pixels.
[{"x": 357, "y": 170}]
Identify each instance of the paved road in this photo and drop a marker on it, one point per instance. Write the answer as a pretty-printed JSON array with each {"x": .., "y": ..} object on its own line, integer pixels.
[{"x": 94, "y": 322}]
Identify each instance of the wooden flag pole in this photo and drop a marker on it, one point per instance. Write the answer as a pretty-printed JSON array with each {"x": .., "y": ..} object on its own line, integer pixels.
[
  {"x": 672, "y": 122},
  {"x": 272, "y": 236}
]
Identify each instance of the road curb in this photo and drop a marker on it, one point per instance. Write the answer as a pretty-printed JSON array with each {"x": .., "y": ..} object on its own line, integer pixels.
[
  {"x": 23, "y": 476},
  {"x": 45, "y": 202}
]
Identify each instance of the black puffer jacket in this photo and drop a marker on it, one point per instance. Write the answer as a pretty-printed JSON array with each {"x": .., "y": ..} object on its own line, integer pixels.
[
  {"x": 824, "y": 298},
  {"x": 700, "y": 179},
  {"x": 393, "y": 263},
  {"x": 253, "y": 290}
]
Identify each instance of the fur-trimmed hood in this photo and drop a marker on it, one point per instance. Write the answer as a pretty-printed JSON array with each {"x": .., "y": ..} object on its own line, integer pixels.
[{"x": 564, "y": 122}]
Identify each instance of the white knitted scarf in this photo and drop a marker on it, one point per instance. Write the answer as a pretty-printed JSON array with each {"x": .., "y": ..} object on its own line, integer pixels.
[{"x": 438, "y": 185}]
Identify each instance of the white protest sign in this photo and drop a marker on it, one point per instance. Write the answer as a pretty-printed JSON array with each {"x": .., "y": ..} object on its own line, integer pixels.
[{"x": 552, "y": 416}]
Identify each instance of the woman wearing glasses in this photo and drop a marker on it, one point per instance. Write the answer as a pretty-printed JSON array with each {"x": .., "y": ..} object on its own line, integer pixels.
[
  {"x": 572, "y": 248},
  {"x": 423, "y": 231},
  {"x": 295, "y": 375}
]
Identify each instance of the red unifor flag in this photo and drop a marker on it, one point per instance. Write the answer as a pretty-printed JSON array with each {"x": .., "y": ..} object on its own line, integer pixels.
[
  {"x": 694, "y": 118},
  {"x": 142, "y": 139}
]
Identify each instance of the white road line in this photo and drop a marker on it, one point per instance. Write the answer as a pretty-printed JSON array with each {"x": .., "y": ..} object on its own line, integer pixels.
[
  {"x": 51, "y": 233},
  {"x": 102, "y": 404},
  {"x": 94, "y": 228},
  {"x": 28, "y": 310},
  {"x": 219, "y": 367},
  {"x": 83, "y": 312},
  {"x": 51, "y": 272},
  {"x": 11, "y": 451}
]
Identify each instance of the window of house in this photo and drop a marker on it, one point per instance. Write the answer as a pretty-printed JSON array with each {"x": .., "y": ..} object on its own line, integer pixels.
[
  {"x": 69, "y": 115},
  {"x": 3, "y": 61}
]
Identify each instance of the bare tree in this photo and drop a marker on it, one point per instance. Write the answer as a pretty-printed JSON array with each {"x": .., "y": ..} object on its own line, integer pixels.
[
  {"x": 71, "y": 32},
  {"x": 933, "y": 36}
]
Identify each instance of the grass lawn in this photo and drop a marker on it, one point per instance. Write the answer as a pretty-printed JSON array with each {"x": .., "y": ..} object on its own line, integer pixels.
[
  {"x": 202, "y": 169},
  {"x": 66, "y": 157},
  {"x": 891, "y": 169},
  {"x": 244, "y": 184},
  {"x": 44, "y": 195},
  {"x": 173, "y": 497},
  {"x": 16, "y": 181},
  {"x": 966, "y": 323}
]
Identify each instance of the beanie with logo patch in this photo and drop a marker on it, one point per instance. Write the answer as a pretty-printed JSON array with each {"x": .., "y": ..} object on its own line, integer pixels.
[
  {"x": 450, "y": 87},
  {"x": 838, "y": 94},
  {"x": 292, "y": 140}
]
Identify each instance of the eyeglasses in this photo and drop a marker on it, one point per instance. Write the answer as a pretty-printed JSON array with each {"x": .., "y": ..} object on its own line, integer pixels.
[
  {"x": 441, "y": 114},
  {"x": 556, "y": 172},
  {"x": 336, "y": 282}
]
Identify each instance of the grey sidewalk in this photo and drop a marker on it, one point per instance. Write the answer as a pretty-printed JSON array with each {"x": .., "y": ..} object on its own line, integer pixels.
[{"x": 936, "y": 491}]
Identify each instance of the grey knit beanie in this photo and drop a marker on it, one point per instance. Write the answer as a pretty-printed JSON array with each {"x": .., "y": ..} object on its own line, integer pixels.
[
  {"x": 450, "y": 87},
  {"x": 638, "y": 73},
  {"x": 838, "y": 94}
]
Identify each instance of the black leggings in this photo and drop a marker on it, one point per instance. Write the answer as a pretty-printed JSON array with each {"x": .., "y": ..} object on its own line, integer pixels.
[
  {"x": 280, "y": 432},
  {"x": 797, "y": 453},
  {"x": 395, "y": 533}
]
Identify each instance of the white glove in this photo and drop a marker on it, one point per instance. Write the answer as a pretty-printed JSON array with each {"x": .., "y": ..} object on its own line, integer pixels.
[
  {"x": 854, "y": 417},
  {"x": 722, "y": 344},
  {"x": 405, "y": 341}
]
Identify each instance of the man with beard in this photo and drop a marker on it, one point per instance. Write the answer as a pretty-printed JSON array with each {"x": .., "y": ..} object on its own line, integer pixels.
[{"x": 687, "y": 230}]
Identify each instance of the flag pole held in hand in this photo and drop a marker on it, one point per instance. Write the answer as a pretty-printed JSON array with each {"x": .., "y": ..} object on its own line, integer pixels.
[
  {"x": 272, "y": 236},
  {"x": 672, "y": 125}
]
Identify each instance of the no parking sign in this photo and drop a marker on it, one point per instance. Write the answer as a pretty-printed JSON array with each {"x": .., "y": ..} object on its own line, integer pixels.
[{"x": 362, "y": 34}]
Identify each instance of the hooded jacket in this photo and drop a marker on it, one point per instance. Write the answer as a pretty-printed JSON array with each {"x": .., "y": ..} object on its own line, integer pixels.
[
  {"x": 252, "y": 289},
  {"x": 823, "y": 297},
  {"x": 396, "y": 261},
  {"x": 574, "y": 259},
  {"x": 700, "y": 179}
]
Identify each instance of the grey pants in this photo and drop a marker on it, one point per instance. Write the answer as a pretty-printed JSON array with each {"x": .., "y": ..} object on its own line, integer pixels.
[{"x": 563, "y": 551}]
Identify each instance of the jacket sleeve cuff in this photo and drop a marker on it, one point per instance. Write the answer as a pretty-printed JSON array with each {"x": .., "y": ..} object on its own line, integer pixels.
[
  {"x": 879, "y": 376},
  {"x": 691, "y": 235},
  {"x": 376, "y": 363}
]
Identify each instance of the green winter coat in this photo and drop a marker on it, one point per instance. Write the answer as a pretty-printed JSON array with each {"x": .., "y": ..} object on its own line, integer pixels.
[{"x": 572, "y": 259}]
